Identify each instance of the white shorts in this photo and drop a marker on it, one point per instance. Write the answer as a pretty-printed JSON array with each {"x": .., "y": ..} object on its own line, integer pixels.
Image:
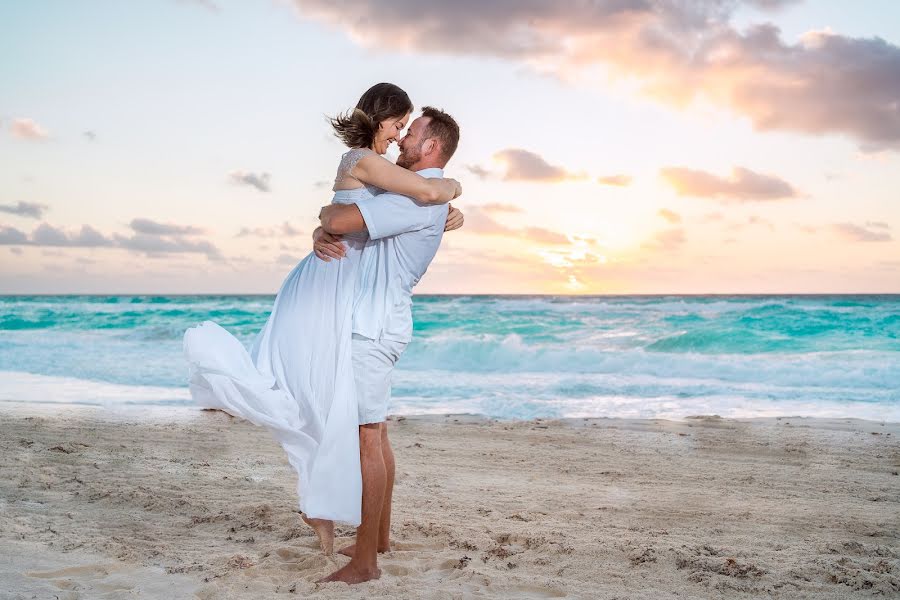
[{"x": 373, "y": 363}]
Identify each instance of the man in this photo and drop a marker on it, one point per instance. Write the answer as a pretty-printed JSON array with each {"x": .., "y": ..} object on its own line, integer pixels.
[{"x": 403, "y": 239}]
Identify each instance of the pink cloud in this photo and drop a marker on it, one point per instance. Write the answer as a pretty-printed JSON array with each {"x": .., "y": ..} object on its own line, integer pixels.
[
  {"x": 614, "y": 180},
  {"x": 743, "y": 185},
  {"x": 676, "y": 51},
  {"x": 669, "y": 215},
  {"x": 523, "y": 165},
  {"x": 859, "y": 233},
  {"x": 28, "y": 129}
]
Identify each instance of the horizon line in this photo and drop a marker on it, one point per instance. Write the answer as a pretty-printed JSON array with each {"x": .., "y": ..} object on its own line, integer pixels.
[{"x": 461, "y": 294}]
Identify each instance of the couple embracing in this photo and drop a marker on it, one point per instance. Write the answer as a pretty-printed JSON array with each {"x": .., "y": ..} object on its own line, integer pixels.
[{"x": 318, "y": 375}]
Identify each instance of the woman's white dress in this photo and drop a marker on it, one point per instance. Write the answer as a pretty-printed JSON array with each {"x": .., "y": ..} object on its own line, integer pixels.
[{"x": 297, "y": 379}]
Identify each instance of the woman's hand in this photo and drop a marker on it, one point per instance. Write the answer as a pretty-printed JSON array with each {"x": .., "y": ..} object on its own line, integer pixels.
[
  {"x": 457, "y": 192},
  {"x": 328, "y": 246},
  {"x": 455, "y": 219},
  {"x": 443, "y": 190}
]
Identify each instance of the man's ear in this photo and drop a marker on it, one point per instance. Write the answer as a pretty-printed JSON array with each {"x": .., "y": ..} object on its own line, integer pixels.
[{"x": 429, "y": 146}]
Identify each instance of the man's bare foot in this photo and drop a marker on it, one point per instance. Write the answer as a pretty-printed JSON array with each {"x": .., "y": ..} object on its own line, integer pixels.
[
  {"x": 324, "y": 531},
  {"x": 350, "y": 573},
  {"x": 351, "y": 550}
]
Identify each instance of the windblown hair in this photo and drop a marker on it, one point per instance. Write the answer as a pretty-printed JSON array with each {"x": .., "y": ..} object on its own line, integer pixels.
[
  {"x": 357, "y": 128},
  {"x": 444, "y": 128}
]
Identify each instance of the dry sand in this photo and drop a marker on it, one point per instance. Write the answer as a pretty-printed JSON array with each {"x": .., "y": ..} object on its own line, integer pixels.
[{"x": 190, "y": 504}]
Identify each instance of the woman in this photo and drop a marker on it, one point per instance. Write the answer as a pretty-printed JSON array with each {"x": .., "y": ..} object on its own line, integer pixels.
[{"x": 297, "y": 379}]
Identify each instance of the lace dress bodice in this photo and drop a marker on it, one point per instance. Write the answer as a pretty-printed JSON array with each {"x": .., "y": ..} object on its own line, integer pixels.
[
  {"x": 348, "y": 161},
  {"x": 351, "y": 196}
]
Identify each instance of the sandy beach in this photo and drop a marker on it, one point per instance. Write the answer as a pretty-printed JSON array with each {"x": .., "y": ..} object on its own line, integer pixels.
[{"x": 197, "y": 504}]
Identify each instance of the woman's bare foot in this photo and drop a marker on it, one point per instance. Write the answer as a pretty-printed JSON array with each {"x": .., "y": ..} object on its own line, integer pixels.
[
  {"x": 324, "y": 531},
  {"x": 351, "y": 550},
  {"x": 350, "y": 573}
]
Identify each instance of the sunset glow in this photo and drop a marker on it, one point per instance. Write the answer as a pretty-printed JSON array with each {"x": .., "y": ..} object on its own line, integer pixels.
[{"x": 730, "y": 147}]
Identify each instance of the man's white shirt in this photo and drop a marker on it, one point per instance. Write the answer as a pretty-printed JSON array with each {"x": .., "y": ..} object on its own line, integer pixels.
[{"x": 404, "y": 236}]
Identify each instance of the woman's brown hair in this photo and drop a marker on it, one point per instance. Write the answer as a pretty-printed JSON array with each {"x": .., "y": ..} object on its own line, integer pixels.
[{"x": 357, "y": 128}]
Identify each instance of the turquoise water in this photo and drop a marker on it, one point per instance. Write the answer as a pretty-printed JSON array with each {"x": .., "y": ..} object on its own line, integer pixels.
[{"x": 506, "y": 357}]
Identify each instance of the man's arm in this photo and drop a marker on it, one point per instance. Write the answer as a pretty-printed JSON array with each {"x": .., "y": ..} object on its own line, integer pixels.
[
  {"x": 339, "y": 219},
  {"x": 392, "y": 214}
]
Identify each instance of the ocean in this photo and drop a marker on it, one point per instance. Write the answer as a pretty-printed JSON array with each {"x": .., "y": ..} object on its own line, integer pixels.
[{"x": 509, "y": 357}]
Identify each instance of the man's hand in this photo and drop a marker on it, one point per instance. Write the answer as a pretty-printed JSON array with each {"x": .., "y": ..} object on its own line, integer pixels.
[
  {"x": 455, "y": 219},
  {"x": 327, "y": 246}
]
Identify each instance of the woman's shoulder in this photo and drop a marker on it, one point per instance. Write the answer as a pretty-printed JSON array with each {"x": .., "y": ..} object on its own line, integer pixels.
[
  {"x": 357, "y": 153},
  {"x": 349, "y": 160}
]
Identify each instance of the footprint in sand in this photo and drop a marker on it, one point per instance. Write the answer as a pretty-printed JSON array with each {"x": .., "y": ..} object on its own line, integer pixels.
[
  {"x": 415, "y": 546},
  {"x": 292, "y": 559},
  {"x": 90, "y": 570},
  {"x": 535, "y": 591},
  {"x": 396, "y": 570},
  {"x": 288, "y": 554},
  {"x": 75, "y": 578}
]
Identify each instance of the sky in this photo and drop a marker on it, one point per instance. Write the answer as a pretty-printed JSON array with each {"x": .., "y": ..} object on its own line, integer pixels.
[{"x": 607, "y": 146}]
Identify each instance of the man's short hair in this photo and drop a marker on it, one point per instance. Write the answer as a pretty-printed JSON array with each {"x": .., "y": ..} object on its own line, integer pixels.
[{"x": 443, "y": 127}]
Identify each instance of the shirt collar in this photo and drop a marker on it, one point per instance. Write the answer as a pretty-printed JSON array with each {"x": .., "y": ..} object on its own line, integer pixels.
[{"x": 431, "y": 172}]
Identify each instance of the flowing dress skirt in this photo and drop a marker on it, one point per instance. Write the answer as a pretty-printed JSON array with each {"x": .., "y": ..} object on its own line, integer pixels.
[{"x": 297, "y": 381}]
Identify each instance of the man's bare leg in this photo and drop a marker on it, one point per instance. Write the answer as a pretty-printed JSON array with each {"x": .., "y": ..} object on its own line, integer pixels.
[
  {"x": 324, "y": 531},
  {"x": 384, "y": 531},
  {"x": 364, "y": 564}
]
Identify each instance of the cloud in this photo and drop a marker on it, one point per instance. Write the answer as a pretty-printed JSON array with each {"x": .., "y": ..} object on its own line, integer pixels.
[
  {"x": 668, "y": 239},
  {"x": 543, "y": 236},
  {"x": 153, "y": 244},
  {"x": 10, "y": 236},
  {"x": 750, "y": 222},
  {"x": 668, "y": 215},
  {"x": 28, "y": 129},
  {"x": 24, "y": 209},
  {"x": 45, "y": 235},
  {"x": 772, "y": 5},
  {"x": 260, "y": 182},
  {"x": 756, "y": 220},
  {"x": 87, "y": 237},
  {"x": 478, "y": 171},
  {"x": 743, "y": 185},
  {"x": 90, "y": 136},
  {"x": 859, "y": 233},
  {"x": 523, "y": 165},
  {"x": 287, "y": 259},
  {"x": 206, "y": 4},
  {"x": 283, "y": 230},
  {"x": 478, "y": 221},
  {"x": 496, "y": 207},
  {"x": 674, "y": 51},
  {"x": 877, "y": 224},
  {"x": 616, "y": 180},
  {"x": 155, "y": 228}
]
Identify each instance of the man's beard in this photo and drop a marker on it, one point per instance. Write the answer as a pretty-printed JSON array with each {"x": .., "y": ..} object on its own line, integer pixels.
[{"x": 408, "y": 157}]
